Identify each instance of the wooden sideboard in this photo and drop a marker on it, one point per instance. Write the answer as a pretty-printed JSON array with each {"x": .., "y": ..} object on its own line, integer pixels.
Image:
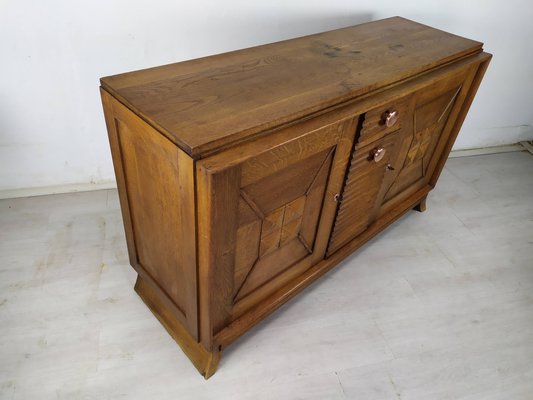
[{"x": 245, "y": 176}]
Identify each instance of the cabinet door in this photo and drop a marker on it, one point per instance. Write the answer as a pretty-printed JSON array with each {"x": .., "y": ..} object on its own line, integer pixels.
[
  {"x": 266, "y": 210},
  {"x": 425, "y": 134}
]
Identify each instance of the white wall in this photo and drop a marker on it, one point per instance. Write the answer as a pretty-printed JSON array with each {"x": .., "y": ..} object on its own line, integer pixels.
[{"x": 53, "y": 52}]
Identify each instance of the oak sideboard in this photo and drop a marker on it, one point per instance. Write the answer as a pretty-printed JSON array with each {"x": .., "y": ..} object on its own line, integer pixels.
[{"x": 245, "y": 176}]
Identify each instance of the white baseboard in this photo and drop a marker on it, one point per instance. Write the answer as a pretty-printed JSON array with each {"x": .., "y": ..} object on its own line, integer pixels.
[
  {"x": 56, "y": 189},
  {"x": 506, "y": 148},
  {"x": 85, "y": 187},
  {"x": 528, "y": 146}
]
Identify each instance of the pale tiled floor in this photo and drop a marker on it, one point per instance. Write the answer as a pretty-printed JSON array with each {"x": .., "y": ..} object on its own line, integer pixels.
[{"x": 440, "y": 306}]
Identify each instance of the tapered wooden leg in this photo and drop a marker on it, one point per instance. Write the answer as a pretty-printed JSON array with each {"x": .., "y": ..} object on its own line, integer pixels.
[
  {"x": 211, "y": 364},
  {"x": 421, "y": 207},
  {"x": 206, "y": 362}
]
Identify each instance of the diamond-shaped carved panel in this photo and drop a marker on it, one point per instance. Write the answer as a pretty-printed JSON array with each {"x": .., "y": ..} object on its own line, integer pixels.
[
  {"x": 290, "y": 231},
  {"x": 419, "y": 146},
  {"x": 273, "y": 221},
  {"x": 287, "y": 206},
  {"x": 269, "y": 243},
  {"x": 281, "y": 225},
  {"x": 429, "y": 120},
  {"x": 294, "y": 210}
]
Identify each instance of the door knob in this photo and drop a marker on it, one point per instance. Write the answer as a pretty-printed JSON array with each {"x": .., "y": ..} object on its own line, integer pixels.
[
  {"x": 378, "y": 154},
  {"x": 390, "y": 117}
]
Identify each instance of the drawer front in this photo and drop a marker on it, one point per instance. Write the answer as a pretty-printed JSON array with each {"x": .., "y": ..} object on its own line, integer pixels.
[
  {"x": 266, "y": 210},
  {"x": 359, "y": 200},
  {"x": 383, "y": 120}
]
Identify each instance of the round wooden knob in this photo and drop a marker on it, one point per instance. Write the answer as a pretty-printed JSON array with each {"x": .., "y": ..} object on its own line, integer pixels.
[
  {"x": 378, "y": 154},
  {"x": 390, "y": 117}
]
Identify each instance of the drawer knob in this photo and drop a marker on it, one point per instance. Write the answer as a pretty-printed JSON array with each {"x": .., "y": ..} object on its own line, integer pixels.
[
  {"x": 390, "y": 117},
  {"x": 378, "y": 154}
]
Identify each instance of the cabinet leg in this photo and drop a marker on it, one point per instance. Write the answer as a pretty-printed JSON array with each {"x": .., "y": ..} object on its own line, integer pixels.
[
  {"x": 211, "y": 364},
  {"x": 421, "y": 207},
  {"x": 206, "y": 362}
]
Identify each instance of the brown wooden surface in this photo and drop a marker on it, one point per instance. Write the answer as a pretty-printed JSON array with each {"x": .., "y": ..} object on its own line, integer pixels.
[
  {"x": 156, "y": 188},
  {"x": 360, "y": 195},
  {"x": 206, "y": 362},
  {"x": 411, "y": 147},
  {"x": 295, "y": 286},
  {"x": 210, "y": 102},
  {"x": 396, "y": 209},
  {"x": 429, "y": 115},
  {"x": 422, "y": 206},
  {"x": 286, "y": 186},
  {"x": 107, "y": 103},
  {"x": 266, "y": 230},
  {"x": 374, "y": 127},
  {"x": 478, "y": 72},
  {"x": 407, "y": 180}
]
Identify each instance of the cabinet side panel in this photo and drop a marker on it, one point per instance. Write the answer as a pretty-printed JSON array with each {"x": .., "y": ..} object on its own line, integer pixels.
[
  {"x": 157, "y": 191},
  {"x": 107, "y": 102}
]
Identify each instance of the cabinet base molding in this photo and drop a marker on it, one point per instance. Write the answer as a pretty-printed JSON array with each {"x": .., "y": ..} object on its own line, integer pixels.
[{"x": 206, "y": 362}]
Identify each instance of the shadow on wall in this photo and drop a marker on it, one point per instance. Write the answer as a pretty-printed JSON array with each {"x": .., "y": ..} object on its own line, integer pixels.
[
  {"x": 235, "y": 32},
  {"x": 312, "y": 23}
]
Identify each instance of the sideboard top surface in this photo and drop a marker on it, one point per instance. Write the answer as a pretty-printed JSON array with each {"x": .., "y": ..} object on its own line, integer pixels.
[{"x": 212, "y": 102}]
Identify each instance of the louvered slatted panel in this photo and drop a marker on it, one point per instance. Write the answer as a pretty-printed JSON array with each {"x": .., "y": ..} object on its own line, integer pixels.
[{"x": 360, "y": 194}]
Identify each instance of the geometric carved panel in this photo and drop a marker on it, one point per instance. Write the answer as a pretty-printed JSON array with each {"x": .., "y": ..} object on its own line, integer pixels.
[
  {"x": 278, "y": 221},
  {"x": 281, "y": 225},
  {"x": 419, "y": 146},
  {"x": 428, "y": 121}
]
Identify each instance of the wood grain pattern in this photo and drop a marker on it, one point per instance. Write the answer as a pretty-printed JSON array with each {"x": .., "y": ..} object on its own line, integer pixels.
[
  {"x": 282, "y": 179},
  {"x": 206, "y": 362},
  {"x": 283, "y": 241},
  {"x": 429, "y": 116},
  {"x": 157, "y": 217},
  {"x": 384, "y": 219},
  {"x": 374, "y": 127},
  {"x": 205, "y": 104},
  {"x": 300, "y": 282},
  {"x": 476, "y": 74},
  {"x": 274, "y": 216},
  {"x": 217, "y": 225},
  {"x": 443, "y": 135},
  {"x": 360, "y": 194},
  {"x": 329, "y": 116},
  {"x": 107, "y": 102}
]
